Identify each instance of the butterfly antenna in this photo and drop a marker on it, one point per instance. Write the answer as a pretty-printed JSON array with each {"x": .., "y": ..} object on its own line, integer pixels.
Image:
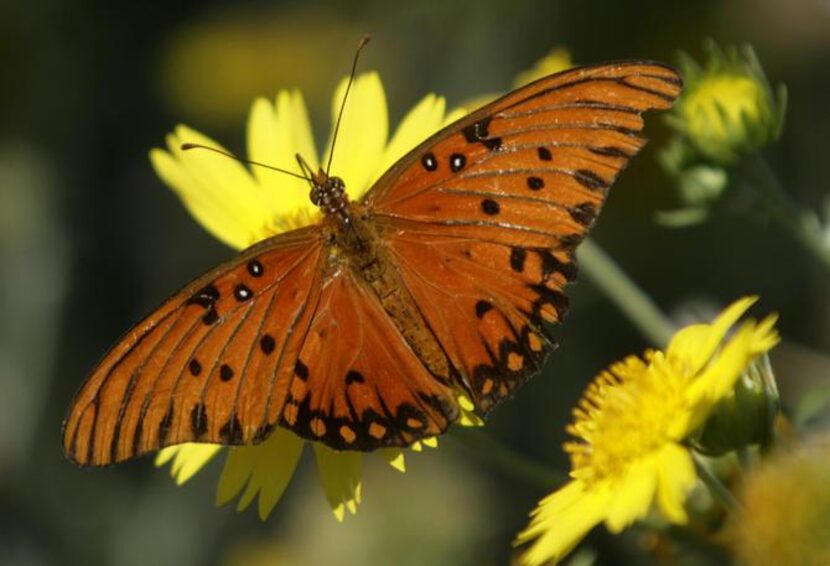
[
  {"x": 189, "y": 146},
  {"x": 305, "y": 168},
  {"x": 360, "y": 47}
]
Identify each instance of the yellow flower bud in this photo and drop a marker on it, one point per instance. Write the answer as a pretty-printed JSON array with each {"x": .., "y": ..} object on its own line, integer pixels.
[{"x": 728, "y": 108}]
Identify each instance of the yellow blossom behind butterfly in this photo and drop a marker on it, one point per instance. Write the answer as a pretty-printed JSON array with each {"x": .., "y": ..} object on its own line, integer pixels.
[
  {"x": 629, "y": 455},
  {"x": 241, "y": 206}
]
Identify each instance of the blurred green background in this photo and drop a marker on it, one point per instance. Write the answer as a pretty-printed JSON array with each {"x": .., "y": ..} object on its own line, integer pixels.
[{"x": 90, "y": 241}]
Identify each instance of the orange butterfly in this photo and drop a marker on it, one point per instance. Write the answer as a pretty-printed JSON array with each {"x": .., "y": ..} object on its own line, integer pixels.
[{"x": 355, "y": 332}]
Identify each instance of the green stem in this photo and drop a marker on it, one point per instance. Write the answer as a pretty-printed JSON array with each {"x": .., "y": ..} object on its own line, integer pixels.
[
  {"x": 716, "y": 487},
  {"x": 506, "y": 459},
  {"x": 624, "y": 293},
  {"x": 804, "y": 229}
]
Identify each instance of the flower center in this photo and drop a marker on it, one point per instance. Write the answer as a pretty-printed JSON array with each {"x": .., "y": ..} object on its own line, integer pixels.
[{"x": 627, "y": 414}]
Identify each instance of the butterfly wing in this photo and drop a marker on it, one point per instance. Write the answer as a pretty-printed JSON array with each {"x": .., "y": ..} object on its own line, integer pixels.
[
  {"x": 357, "y": 384},
  {"x": 482, "y": 218},
  {"x": 212, "y": 364}
]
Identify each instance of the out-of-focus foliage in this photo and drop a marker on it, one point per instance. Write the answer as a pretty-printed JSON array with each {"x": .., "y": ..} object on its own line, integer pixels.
[{"x": 91, "y": 240}]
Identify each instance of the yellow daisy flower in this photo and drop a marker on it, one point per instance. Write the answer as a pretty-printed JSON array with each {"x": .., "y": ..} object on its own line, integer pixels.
[
  {"x": 241, "y": 206},
  {"x": 629, "y": 454}
]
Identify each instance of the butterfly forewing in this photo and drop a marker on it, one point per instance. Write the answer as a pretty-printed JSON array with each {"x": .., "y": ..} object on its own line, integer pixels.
[
  {"x": 484, "y": 216},
  {"x": 211, "y": 365}
]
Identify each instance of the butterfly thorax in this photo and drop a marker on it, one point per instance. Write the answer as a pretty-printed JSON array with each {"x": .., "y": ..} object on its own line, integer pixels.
[{"x": 354, "y": 244}]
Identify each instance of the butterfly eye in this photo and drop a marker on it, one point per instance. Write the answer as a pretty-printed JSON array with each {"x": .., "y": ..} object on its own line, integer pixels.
[
  {"x": 316, "y": 195},
  {"x": 337, "y": 185}
]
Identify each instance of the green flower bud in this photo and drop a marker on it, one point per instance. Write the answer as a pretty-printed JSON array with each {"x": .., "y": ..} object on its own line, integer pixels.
[{"x": 747, "y": 417}]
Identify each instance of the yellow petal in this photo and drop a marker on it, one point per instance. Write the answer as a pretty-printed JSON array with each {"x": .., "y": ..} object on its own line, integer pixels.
[
  {"x": 422, "y": 121},
  {"x": 559, "y": 59},
  {"x": 454, "y": 115},
  {"x": 276, "y": 134},
  {"x": 562, "y": 520},
  {"x": 292, "y": 110},
  {"x": 187, "y": 459},
  {"x": 218, "y": 191},
  {"x": 264, "y": 470},
  {"x": 430, "y": 442},
  {"x": 231, "y": 230},
  {"x": 363, "y": 133},
  {"x": 718, "y": 379},
  {"x": 165, "y": 455},
  {"x": 675, "y": 478},
  {"x": 765, "y": 337},
  {"x": 633, "y": 496},
  {"x": 692, "y": 347},
  {"x": 468, "y": 417},
  {"x": 395, "y": 458},
  {"x": 340, "y": 475}
]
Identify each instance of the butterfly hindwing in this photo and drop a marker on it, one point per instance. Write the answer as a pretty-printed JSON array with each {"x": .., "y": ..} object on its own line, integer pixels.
[
  {"x": 210, "y": 365},
  {"x": 357, "y": 383},
  {"x": 487, "y": 304}
]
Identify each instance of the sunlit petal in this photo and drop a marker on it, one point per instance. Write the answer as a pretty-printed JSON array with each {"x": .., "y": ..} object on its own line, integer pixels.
[
  {"x": 633, "y": 496},
  {"x": 694, "y": 345},
  {"x": 263, "y": 470},
  {"x": 187, "y": 459},
  {"x": 395, "y": 458},
  {"x": 340, "y": 475},
  {"x": 420, "y": 123},
  {"x": 676, "y": 477},
  {"x": 363, "y": 133},
  {"x": 561, "y": 520},
  {"x": 229, "y": 226}
]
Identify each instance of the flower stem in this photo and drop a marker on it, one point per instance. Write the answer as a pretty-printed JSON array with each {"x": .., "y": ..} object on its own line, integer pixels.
[
  {"x": 804, "y": 228},
  {"x": 506, "y": 459},
  {"x": 624, "y": 293},
  {"x": 716, "y": 487}
]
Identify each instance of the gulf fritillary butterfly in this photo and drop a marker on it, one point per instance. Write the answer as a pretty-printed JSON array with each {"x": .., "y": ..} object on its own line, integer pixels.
[{"x": 356, "y": 332}]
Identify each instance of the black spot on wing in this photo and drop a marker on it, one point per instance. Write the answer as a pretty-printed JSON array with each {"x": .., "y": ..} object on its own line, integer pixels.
[
  {"x": 165, "y": 424},
  {"x": 199, "y": 420},
  {"x": 301, "y": 370},
  {"x": 483, "y": 307},
  {"x": 590, "y": 180},
  {"x": 255, "y": 268},
  {"x": 231, "y": 431},
  {"x": 518, "y": 256},
  {"x": 353, "y": 376},
  {"x": 225, "y": 372},
  {"x": 267, "y": 344},
  {"x": 478, "y": 132},
  {"x": 490, "y": 207},
  {"x": 242, "y": 293},
  {"x": 584, "y": 213},
  {"x": 429, "y": 162},
  {"x": 457, "y": 162}
]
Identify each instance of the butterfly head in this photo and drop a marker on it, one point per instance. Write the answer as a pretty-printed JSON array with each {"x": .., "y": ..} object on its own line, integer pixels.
[{"x": 329, "y": 193}]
